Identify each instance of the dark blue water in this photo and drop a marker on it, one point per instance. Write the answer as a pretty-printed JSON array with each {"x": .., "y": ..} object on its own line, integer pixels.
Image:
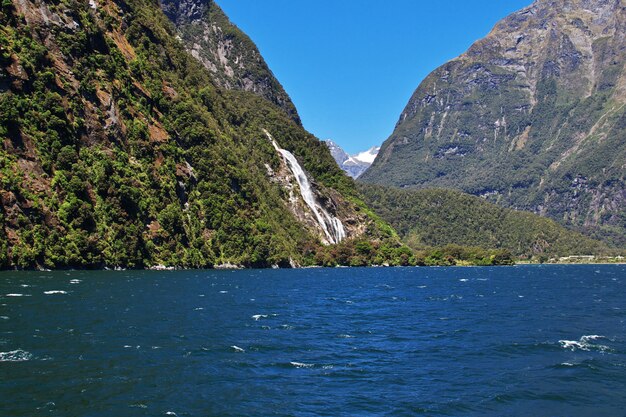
[{"x": 525, "y": 340}]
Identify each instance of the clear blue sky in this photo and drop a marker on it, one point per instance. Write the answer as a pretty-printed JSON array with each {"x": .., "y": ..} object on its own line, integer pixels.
[{"x": 350, "y": 66}]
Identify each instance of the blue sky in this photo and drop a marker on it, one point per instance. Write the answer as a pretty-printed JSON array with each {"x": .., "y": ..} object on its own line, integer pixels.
[{"x": 350, "y": 66}]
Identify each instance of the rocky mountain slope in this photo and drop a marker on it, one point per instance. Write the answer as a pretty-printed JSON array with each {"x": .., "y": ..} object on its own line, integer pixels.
[
  {"x": 532, "y": 117},
  {"x": 119, "y": 148},
  {"x": 353, "y": 165},
  {"x": 230, "y": 55}
]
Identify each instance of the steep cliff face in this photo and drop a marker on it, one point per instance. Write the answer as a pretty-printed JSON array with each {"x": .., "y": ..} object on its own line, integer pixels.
[
  {"x": 533, "y": 117},
  {"x": 118, "y": 148},
  {"x": 230, "y": 55}
]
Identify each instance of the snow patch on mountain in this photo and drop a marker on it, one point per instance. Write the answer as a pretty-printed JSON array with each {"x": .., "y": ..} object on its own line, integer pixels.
[{"x": 356, "y": 164}]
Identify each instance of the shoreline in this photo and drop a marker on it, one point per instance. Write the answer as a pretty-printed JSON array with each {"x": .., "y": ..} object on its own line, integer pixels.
[{"x": 232, "y": 267}]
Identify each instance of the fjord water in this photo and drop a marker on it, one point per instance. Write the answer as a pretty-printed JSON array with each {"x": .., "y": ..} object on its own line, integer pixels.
[{"x": 524, "y": 340}]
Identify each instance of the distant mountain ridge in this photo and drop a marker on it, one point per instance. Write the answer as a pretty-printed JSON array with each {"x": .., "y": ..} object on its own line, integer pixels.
[
  {"x": 532, "y": 117},
  {"x": 353, "y": 165}
]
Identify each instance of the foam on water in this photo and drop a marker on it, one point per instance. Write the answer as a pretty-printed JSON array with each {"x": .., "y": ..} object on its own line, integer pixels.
[
  {"x": 75, "y": 281},
  {"x": 18, "y": 355},
  {"x": 301, "y": 365},
  {"x": 258, "y": 317},
  {"x": 237, "y": 349},
  {"x": 54, "y": 292},
  {"x": 17, "y": 295},
  {"x": 585, "y": 343}
]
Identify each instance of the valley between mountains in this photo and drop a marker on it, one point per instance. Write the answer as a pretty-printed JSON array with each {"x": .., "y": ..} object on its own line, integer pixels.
[{"x": 152, "y": 134}]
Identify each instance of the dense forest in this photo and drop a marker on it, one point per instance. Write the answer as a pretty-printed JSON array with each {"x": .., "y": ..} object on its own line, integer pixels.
[
  {"x": 120, "y": 150},
  {"x": 436, "y": 218}
]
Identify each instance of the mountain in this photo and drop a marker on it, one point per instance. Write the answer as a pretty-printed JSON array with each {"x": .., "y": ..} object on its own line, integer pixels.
[
  {"x": 121, "y": 146},
  {"x": 437, "y": 218},
  {"x": 229, "y": 54},
  {"x": 353, "y": 165},
  {"x": 531, "y": 117}
]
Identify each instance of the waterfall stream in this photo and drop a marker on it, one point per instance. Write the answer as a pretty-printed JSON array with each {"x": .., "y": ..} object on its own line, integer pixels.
[{"x": 331, "y": 225}]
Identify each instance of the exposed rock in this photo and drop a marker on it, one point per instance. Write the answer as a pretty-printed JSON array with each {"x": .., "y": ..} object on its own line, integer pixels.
[
  {"x": 223, "y": 49},
  {"x": 538, "y": 102}
]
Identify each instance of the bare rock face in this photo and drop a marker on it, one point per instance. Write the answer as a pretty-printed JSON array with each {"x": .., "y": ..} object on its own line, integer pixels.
[
  {"x": 230, "y": 55},
  {"x": 531, "y": 117}
]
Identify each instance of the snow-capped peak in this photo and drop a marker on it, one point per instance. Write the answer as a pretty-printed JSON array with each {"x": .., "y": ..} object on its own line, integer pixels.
[
  {"x": 356, "y": 164},
  {"x": 367, "y": 156}
]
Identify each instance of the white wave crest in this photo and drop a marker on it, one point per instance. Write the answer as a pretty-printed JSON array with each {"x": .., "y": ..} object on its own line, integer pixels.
[
  {"x": 237, "y": 349},
  {"x": 54, "y": 292},
  {"x": 258, "y": 317},
  {"x": 18, "y": 355},
  {"x": 585, "y": 343},
  {"x": 301, "y": 365}
]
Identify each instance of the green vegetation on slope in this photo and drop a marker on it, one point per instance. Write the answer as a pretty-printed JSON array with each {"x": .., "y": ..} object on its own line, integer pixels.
[
  {"x": 437, "y": 218},
  {"x": 532, "y": 117},
  {"x": 118, "y": 149}
]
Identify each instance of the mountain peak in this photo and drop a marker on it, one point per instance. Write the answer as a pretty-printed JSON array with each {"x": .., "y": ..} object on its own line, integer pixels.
[
  {"x": 531, "y": 117},
  {"x": 353, "y": 165}
]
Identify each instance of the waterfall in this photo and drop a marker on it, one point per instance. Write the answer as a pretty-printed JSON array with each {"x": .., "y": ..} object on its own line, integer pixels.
[{"x": 331, "y": 225}]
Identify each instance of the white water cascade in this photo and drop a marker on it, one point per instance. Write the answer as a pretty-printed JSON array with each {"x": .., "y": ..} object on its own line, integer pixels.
[{"x": 332, "y": 226}]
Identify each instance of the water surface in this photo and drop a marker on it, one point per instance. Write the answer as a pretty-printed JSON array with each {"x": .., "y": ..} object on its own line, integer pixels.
[{"x": 524, "y": 340}]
